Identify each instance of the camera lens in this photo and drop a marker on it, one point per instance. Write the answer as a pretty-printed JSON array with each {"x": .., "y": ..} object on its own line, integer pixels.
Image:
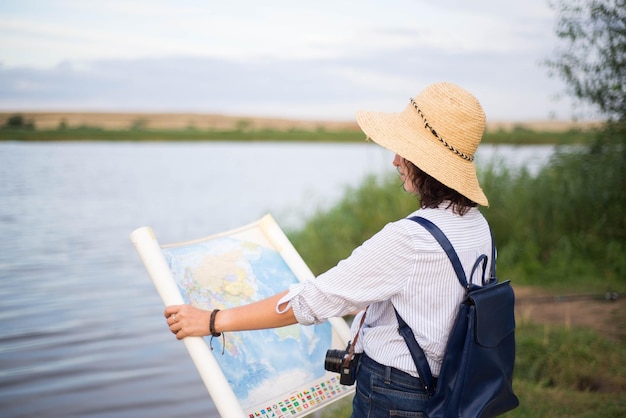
[{"x": 334, "y": 360}]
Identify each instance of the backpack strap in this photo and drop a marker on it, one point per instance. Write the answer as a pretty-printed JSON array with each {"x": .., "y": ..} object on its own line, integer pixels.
[
  {"x": 417, "y": 354},
  {"x": 492, "y": 274},
  {"x": 446, "y": 245},
  {"x": 452, "y": 255}
]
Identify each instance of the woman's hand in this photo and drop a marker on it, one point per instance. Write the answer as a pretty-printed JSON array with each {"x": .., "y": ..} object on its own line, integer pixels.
[{"x": 187, "y": 321}]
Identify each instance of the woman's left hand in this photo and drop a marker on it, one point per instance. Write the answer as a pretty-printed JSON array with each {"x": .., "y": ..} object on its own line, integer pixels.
[{"x": 187, "y": 321}]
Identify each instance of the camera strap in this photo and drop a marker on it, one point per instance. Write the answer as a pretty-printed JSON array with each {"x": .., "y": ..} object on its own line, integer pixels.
[{"x": 346, "y": 362}]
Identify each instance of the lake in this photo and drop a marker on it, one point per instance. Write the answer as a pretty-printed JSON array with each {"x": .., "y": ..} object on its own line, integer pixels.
[{"x": 82, "y": 326}]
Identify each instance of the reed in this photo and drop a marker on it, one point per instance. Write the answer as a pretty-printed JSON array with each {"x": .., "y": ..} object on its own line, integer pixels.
[{"x": 564, "y": 228}]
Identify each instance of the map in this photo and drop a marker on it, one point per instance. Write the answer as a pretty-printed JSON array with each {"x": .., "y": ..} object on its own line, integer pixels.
[{"x": 272, "y": 373}]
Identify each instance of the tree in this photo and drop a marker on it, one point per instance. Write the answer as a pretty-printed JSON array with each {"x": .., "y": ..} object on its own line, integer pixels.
[
  {"x": 18, "y": 121},
  {"x": 586, "y": 185},
  {"x": 593, "y": 62}
]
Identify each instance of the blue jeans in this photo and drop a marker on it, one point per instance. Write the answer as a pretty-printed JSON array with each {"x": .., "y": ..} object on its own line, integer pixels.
[{"x": 383, "y": 391}]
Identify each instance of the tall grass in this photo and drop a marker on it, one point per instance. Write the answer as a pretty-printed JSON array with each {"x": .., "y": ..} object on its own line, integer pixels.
[
  {"x": 577, "y": 360},
  {"x": 565, "y": 227}
]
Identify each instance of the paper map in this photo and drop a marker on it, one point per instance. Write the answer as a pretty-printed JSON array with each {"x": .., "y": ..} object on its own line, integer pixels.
[{"x": 271, "y": 373}]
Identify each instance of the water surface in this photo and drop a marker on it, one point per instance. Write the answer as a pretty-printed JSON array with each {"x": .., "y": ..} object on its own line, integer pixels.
[{"x": 82, "y": 331}]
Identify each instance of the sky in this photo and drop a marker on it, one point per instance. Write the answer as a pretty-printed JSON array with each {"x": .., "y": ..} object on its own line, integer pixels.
[{"x": 322, "y": 59}]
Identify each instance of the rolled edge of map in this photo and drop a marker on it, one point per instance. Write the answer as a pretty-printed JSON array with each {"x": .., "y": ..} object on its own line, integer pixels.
[
  {"x": 147, "y": 246},
  {"x": 224, "y": 398}
]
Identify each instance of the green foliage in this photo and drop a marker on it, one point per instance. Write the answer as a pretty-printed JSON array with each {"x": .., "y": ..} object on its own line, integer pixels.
[
  {"x": 18, "y": 121},
  {"x": 566, "y": 226},
  {"x": 139, "y": 124},
  {"x": 536, "y": 400},
  {"x": 575, "y": 225},
  {"x": 244, "y": 125},
  {"x": 525, "y": 136},
  {"x": 546, "y": 355},
  {"x": 593, "y": 60}
]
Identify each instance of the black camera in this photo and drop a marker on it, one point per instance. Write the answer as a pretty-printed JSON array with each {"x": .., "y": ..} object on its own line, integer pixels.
[{"x": 337, "y": 361}]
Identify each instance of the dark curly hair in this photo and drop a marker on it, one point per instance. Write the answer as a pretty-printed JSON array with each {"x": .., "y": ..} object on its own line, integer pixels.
[{"x": 432, "y": 193}]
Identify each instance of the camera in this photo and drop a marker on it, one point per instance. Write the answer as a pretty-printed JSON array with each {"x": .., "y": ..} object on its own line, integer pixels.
[{"x": 337, "y": 361}]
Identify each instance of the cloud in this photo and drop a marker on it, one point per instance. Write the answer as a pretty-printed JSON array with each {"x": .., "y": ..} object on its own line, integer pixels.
[
  {"x": 312, "y": 88},
  {"x": 323, "y": 59}
]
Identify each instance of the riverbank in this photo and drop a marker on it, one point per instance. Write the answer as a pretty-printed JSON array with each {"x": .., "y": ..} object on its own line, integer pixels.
[{"x": 58, "y": 126}]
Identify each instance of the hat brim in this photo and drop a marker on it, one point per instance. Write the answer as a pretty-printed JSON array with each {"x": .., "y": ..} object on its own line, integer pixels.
[{"x": 405, "y": 136}]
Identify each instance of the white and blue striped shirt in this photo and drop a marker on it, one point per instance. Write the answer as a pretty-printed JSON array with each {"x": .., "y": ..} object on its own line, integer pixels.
[{"x": 405, "y": 266}]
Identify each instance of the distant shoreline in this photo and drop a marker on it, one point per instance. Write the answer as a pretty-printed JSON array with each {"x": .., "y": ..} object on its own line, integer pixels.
[{"x": 217, "y": 122}]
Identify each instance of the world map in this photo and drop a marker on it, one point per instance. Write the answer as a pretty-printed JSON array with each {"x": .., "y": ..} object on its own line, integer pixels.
[{"x": 228, "y": 271}]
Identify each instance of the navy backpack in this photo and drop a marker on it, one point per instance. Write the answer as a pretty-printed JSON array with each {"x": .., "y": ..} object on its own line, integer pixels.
[{"x": 477, "y": 370}]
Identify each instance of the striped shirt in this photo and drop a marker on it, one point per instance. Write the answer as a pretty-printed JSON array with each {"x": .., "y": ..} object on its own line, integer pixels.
[{"x": 405, "y": 266}]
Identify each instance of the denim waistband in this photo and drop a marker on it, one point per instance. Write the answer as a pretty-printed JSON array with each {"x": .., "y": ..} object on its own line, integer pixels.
[{"x": 390, "y": 374}]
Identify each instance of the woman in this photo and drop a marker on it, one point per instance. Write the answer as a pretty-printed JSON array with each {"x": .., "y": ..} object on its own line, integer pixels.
[{"x": 401, "y": 266}]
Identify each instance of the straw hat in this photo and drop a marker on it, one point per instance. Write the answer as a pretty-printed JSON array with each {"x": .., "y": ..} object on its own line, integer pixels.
[{"x": 439, "y": 132}]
